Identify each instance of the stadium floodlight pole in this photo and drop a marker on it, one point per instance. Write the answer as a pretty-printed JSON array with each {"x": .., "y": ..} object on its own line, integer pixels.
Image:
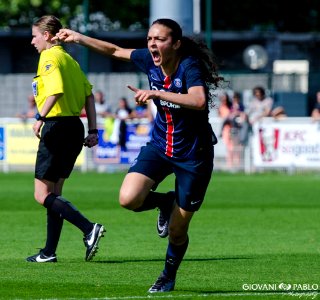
[
  {"x": 208, "y": 22},
  {"x": 85, "y": 50}
]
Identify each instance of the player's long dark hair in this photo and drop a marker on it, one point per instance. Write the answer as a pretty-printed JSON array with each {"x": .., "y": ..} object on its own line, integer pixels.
[{"x": 198, "y": 49}]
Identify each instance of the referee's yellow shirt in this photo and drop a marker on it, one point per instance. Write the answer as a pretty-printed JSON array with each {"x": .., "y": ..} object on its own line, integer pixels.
[{"x": 59, "y": 73}]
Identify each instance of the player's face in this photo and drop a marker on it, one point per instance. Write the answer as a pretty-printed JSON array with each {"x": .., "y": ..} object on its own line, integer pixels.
[
  {"x": 160, "y": 44},
  {"x": 38, "y": 39}
]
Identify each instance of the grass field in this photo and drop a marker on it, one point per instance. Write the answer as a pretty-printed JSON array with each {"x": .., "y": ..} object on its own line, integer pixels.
[{"x": 255, "y": 237}]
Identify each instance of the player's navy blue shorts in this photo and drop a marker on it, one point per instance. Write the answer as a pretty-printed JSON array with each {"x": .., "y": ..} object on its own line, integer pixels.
[
  {"x": 192, "y": 175},
  {"x": 60, "y": 144}
]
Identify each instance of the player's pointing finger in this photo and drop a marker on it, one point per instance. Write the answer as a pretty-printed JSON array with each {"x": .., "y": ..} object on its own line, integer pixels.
[{"x": 132, "y": 88}]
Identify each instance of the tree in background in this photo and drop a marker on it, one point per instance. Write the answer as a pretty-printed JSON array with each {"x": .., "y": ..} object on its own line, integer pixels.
[
  {"x": 252, "y": 15},
  {"x": 103, "y": 15}
]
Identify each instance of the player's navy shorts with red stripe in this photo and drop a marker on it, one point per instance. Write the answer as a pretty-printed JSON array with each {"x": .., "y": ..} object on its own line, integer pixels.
[
  {"x": 192, "y": 175},
  {"x": 60, "y": 144}
]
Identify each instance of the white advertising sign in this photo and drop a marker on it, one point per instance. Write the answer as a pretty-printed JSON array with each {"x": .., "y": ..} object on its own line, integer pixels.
[{"x": 286, "y": 144}]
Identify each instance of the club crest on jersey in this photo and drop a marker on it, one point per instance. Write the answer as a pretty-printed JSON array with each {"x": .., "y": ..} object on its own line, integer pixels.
[
  {"x": 48, "y": 67},
  {"x": 177, "y": 82}
]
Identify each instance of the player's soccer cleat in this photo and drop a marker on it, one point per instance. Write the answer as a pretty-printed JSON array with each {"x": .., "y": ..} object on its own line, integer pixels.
[
  {"x": 41, "y": 258},
  {"x": 92, "y": 239},
  {"x": 162, "y": 284},
  {"x": 164, "y": 217},
  {"x": 163, "y": 224}
]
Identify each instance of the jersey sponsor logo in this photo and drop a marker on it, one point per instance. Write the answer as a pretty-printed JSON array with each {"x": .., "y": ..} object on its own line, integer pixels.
[
  {"x": 168, "y": 104},
  {"x": 163, "y": 102}
]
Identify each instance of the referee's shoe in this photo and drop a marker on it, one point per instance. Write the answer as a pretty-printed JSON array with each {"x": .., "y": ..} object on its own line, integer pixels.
[
  {"x": 42, "y": 258},
  {"x": 92, "y": 239}
]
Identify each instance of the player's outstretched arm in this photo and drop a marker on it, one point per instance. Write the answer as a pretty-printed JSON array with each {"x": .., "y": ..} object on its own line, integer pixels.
[{"x": 103, "y": 47}]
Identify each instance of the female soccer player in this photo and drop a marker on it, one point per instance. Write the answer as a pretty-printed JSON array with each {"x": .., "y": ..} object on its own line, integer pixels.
[
  {"x": 180, "y": 72},
  {"x": 61, "y": 90}
]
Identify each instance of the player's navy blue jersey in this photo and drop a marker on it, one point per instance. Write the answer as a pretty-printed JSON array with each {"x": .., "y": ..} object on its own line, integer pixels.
[{"x": 178, "y": 132}]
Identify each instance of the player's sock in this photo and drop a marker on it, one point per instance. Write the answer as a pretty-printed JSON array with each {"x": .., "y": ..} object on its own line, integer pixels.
[
  {"x": 67, "y": 211},
  {"x": 54, "y": 227},
  {"x": 174, "y": 257},
  {"x": 155, "y": 199}
]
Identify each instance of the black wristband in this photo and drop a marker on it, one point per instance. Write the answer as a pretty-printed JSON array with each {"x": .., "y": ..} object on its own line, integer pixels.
[{"x": 93, "y": 131}]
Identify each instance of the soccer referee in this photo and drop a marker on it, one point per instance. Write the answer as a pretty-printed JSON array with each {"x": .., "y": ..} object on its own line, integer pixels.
[{"x": 61, "y": 90}]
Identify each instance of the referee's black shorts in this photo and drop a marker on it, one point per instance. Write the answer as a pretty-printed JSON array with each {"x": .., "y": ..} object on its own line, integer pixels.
[{"x": 60, "y": 144}]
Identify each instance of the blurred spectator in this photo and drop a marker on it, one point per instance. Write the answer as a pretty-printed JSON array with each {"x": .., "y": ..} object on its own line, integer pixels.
[
  {"x": 234, "y": 128},
  {"x": 239, "y": 129},
  {"x": 30, "y": 111},
  {"x": 122, "y": 113},
  {"x": 102, "y": 108},
  {"x": 260, "y": 106},
  {"x": 315, "y": 114},
  {"x": 224, "y": 111},
  {"x": 237, "y": 115},
  {"x": 263, "y": 106},
  {"x": 225, "y": 105},
  {"x": 278, "y": 113}
]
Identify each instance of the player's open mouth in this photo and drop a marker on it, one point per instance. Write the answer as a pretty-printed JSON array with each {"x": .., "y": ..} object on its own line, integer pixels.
[{"x": 155, "y": 56}]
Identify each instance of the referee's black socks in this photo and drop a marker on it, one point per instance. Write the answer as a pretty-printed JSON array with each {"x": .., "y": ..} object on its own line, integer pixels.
[
  {"x": 68, "y": 212},
  {"x": 54, "y": 227}
]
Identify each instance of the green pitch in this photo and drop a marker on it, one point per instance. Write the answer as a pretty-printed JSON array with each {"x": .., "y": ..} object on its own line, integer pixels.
[{"x": 255, "y": 237}]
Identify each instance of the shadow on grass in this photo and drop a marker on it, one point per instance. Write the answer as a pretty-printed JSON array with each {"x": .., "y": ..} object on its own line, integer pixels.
[{"x": 161, "y": 259}]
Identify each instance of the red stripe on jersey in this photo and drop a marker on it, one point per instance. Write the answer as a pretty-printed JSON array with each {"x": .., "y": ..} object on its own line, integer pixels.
[
  {"x": 167, "y": 82},
  {"x": 169, "y": 133}
]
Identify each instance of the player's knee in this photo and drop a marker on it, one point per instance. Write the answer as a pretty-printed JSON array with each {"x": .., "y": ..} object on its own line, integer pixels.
[
  {"x": 126, "y": 201},
  {"x": 177, "y": 239},
  {"x": 177, "y": 236}
]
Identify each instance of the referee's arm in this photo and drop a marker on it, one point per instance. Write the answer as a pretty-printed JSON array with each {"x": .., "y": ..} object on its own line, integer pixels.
[{"x": 91, "y": 112}]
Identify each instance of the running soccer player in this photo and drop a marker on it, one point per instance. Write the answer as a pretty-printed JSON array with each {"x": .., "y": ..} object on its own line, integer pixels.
[
  {"x": 61, "y": 90},
  {"x": 180, "y": 72}
]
